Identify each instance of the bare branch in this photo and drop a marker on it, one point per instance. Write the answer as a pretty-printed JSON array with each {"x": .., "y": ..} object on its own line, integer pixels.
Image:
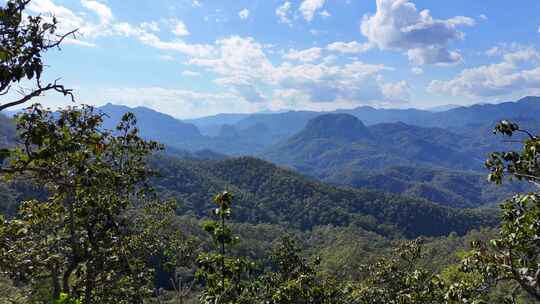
[
  {"x": 61, "y": 38},
  {"x": 39, "y": 91}
]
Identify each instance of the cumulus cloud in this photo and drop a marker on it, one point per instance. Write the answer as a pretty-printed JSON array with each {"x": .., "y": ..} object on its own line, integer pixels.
[
  {"x": 180, "y": 28},
  {"x": 108, "y": 26},
  {"x": 309, "y": 7},
  {"x": 434, "y": 55},
  {"x": 325, "y": 14},
  {"x": 417, "y": 71},
  {"x": 243, "y": 14},
  {"x": 283, "y": 13},
  {"x": 244, "y": 68},
  {"x": 151, "y": 26},
  {"x": 308, "y": 55},
  {"x": 396, "y": 91},
  {"x": 517, "y": 72},
  {"x": 179, "y": 103},
  {"x": 399, "y": 25},
  {"x": 104, "y": 12},
  {"x": 348, "y": 47}
]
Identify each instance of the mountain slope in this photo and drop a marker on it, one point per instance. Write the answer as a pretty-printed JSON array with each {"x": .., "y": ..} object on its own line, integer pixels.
[
  {"x": 459, "y": 189},
  {"x": 265, "y": 193},
  {"x": 152, "y": 124},
  {"x": 431, "y": 163},
  {"x": 376, "y": 147},
  {"x": 282, "y": 125}
]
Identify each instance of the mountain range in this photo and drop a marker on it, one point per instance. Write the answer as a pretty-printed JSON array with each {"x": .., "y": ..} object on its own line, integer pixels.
[
  {"x": 433, "y": 155},
  {"x": 427, "y": 154},
  {"x": 395, "y": 173},
  {"x": 252, "y": 134}
]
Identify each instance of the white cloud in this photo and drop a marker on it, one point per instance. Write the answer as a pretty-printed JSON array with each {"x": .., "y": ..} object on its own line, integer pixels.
[
  {"x": 242, "y": 64},
  {"x": 517, "y": 72},
  {"x": 325, "y": 14},
  {"x": 398, "y": 25},
  {"x": 179, "y": 103},
  {"x": 151, "y": 26},
  {"x": 434, "y": 55},
  {"x": 308, "y": 55},
  {"x": 243, "y": 14},
  {"x": 166, "y": 58},
  {"x": 180, "y": 28},
  {"x": 309, "y": 7},
  {"x": 483, "y": 17},
  {"x": 352, "y": 47},
  {"x": 109, "y": 27},
  {"x": 396, "y": 91},
  {"x": 193, "y": 50},
  {"x": 417, "y": 71},
  {"x": 283, "y": 13},
  {"x": 244, "y": 68},
  {"x": 104, "y": 12},
  {"x": 196, "y": 3},
  {"x": 191, "y": 73}
]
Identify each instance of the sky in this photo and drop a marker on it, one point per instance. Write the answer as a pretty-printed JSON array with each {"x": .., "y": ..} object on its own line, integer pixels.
[{"x": 193, "y": 58}]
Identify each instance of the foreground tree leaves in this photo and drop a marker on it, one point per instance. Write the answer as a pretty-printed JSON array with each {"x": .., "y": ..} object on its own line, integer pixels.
[
  {"x": 512, "y": 259},
  {"x": 93, "y": 238},
  {"x": 23, "y": 41}
]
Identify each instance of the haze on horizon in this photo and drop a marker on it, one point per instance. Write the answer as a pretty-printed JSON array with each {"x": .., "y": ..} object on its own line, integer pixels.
[{"x": 193, "y": 58}]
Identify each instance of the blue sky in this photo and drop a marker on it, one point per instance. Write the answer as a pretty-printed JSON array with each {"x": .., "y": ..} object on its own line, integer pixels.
[{"x": 193, "y": 58}]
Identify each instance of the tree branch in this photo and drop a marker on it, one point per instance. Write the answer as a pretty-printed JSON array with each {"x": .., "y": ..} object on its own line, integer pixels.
[{"x": 40, "y": 90}]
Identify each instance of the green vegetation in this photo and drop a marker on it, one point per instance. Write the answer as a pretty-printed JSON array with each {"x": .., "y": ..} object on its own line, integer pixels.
[
  {"x": 92, "y": 215},
  {"x": 97, "y": 233},
  {"x": 268, "y": 194},
  {"x": 24, "y": 40},
  {"x": 93, "y": 237}
]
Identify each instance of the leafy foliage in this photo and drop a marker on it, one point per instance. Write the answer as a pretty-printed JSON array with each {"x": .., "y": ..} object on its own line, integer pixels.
[
  {"x": 266, "y": 193},
  {"x": 93, "y": 237},
  {"x": 513, "y": 257},
  {"x": 24, "y": 40},
  {"x": 225, "y": 278}
]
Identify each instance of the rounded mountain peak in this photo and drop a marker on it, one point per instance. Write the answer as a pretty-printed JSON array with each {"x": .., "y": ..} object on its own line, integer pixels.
[{"x": 339, "y": 126}]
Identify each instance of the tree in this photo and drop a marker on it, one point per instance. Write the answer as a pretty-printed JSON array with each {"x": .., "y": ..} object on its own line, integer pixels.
[
  {"x": 514, "y": 257},
  {"x": 398, "y": 279},
  {"x": 93, "y": 239},
  {"x": 23, "y": 41},
  {"x": 296, "y": 280},
  {"x": 225, "y": 278}
]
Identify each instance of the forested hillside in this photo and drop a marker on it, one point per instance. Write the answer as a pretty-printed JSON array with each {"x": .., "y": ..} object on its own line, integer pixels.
[
  {"x": 268, "y": 194},
  {"x": 460, "y": 189}
]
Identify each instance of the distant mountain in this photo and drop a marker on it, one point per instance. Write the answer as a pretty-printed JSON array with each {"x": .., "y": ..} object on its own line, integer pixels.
[
  {"x": 210, "y": 125},
  {"x": 333, "y": 142},
  {"x": 443, "y": 108},
  {"x": 336, "y": 127},
  {"x": 432, "y": 163},
  {"x": 219, "y": 119},
  {"x": 250, "y": 134},
  {"x": 153, "y": 125},
  {"x": 282, "y": 125},
  {"x": 265, "y": 193},
  {"x": 458, "y": 189},
  {"x": 7, "y": 131},
  {"x": 527, "y": 107}
]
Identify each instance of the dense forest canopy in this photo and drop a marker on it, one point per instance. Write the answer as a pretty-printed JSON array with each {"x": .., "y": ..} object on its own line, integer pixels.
[{"x": 373, "y": 206}]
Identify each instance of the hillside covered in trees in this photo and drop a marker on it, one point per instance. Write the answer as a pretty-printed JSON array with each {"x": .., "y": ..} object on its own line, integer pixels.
[{"x": 346, "y": 206}]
